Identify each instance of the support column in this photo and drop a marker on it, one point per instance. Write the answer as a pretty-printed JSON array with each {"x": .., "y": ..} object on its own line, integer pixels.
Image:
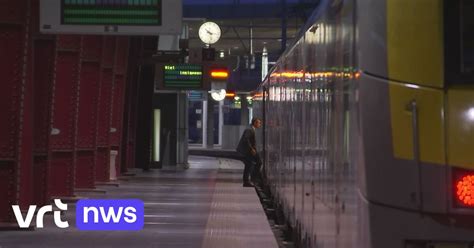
[
  {"x": 182, "y": 130},
  {"x": 210, "y": 123},
  {"x": 102, "y": 168},
  {"x": 61, "y": 170},
  {"x": 221, "y": 121},
  {"x": 16, "y": 115},
  {"x": 44, "y": 56},
  {"x": 88, "y": 112},
  {"x": 131, "y": 98},
  {"x": 118, "y": 104},
  {"x": 204, "y": 123}
]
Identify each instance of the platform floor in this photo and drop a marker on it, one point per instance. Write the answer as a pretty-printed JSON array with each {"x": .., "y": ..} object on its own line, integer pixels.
[{"x": 203, "y": 206}]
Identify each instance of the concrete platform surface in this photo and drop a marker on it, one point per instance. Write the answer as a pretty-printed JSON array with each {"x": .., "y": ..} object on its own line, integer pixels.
[{"x": 203, "y": 206}]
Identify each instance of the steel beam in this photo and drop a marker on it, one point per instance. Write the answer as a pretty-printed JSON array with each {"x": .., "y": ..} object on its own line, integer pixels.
[
  {"x": 88, "y": 114},
  {"x": 61, "y": 163}
]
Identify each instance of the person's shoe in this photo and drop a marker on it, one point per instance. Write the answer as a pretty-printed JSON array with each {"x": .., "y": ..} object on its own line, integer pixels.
[{"x": 248, "y": 184}]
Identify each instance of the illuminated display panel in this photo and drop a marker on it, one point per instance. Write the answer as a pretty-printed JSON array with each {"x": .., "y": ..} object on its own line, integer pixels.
[
  {"x": 183, "y": 76},
  {"x": 112, "y": 12}
]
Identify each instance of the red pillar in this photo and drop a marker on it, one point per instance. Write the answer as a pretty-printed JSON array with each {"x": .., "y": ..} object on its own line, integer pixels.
[
  {"x": 129, "y": 130},
  {"x": 118, "y": 104},
  {"x": 16, "y": 142},
  {"x": 62, "y": 101},
  {"x": 61, "y": 173},
  {"x": 102, "y": 171},
  {"x": 88, "y": 111},
  {"x": 44, "y": 55}
]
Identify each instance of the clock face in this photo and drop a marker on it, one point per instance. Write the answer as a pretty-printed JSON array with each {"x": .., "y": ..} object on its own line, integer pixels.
[{"x": 209, "y": 32}]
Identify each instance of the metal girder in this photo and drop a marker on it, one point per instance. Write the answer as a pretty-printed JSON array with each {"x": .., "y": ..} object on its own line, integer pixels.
[
  {"x": 61, "y": 171},
  {"x": 131, "y": 100},
  {"x": 88, "y": 114}
]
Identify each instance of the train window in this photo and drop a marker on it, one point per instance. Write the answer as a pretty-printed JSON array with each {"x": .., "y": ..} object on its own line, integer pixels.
[
  {"x": 459, "y": 41},
  {"x": 467, "y": 36}
]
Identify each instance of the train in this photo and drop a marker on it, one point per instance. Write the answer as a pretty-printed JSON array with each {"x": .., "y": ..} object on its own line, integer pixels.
[{"x": 368, "y": 125}]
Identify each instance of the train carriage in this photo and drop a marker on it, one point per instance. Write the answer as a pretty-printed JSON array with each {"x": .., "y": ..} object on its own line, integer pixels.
[{"x": 369, "y": 125}]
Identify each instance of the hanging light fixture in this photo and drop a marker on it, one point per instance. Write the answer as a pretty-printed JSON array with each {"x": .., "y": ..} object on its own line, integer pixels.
[{"x": 218, "y": 95}]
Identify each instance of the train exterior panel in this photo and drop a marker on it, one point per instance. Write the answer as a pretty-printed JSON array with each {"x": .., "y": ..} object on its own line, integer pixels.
[{"x": 369, "y": 125}]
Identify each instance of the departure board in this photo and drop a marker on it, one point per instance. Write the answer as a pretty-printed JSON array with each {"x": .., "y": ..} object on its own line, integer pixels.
[
  {"x": 182, "y": 76},
  {"x": 112, "y": 12}
]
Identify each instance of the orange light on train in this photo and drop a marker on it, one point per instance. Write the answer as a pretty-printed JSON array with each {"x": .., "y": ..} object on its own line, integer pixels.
[
  {"x": 465, "y": 190},
  {"x": 219, "y": 74}
]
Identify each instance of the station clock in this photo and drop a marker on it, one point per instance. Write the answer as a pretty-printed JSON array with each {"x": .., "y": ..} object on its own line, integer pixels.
[{"x": 209, "y": 33}]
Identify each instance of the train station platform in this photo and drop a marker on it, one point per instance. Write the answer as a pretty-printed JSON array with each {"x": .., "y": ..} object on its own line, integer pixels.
[
  {"x": 216, "y": 151},
  {"x": 203, "y": 206}
]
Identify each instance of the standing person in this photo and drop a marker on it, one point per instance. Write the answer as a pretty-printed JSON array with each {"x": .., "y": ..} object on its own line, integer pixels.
[{"x": 248, "y": 149}]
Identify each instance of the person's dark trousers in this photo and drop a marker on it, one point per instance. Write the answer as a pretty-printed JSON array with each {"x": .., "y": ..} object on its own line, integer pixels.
[
  {"x": 252, "y": 168},
  {"x": 256, "y": 174},
  {"x": 248, "y": 169}
]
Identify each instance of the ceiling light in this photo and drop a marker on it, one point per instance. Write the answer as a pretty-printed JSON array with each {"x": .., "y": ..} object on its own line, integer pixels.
[{"x": 218, "y": 95}]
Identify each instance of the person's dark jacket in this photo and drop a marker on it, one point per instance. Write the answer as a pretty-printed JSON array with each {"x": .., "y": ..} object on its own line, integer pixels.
[{"x": 247, "y": 142}]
